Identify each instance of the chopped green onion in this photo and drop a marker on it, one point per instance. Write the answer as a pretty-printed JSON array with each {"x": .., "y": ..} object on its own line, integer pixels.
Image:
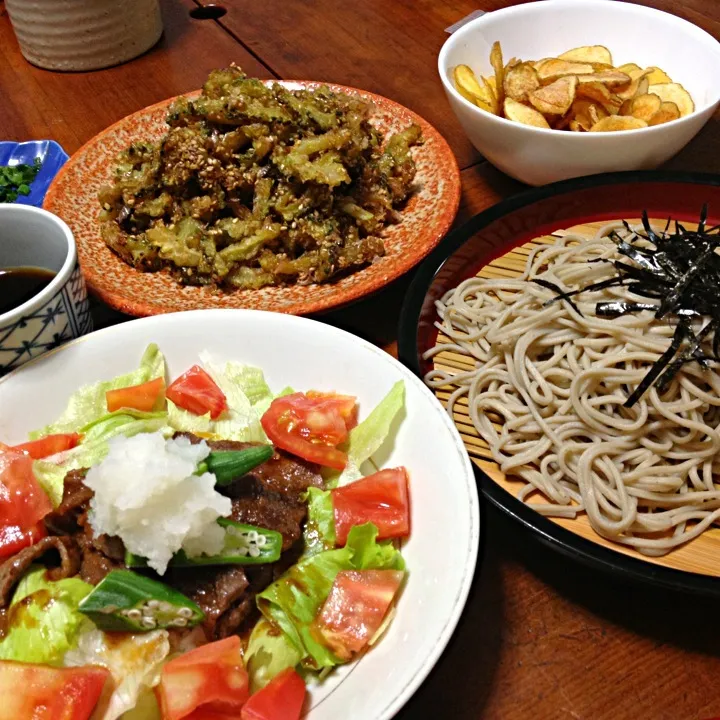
[
  {"x": 127, "y": 602},
  {"x": 15, "y": 180}
]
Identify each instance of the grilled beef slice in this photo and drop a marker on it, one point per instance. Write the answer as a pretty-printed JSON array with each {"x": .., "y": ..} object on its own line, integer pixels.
[
  {"x": 269, "y": 496},
  {"x": 12, "y": 570}
]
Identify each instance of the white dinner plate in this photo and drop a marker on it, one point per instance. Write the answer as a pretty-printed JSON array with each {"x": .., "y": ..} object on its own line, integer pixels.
[{"x": 442, "y": 549}]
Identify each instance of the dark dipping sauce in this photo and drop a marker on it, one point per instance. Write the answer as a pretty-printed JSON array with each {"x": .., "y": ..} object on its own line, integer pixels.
[{"x": 20, "y": 284}]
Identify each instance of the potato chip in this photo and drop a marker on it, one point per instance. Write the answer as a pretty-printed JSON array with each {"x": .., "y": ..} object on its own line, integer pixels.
[
  {"x": 520, "y": 80},
  {"x": 588, "y": 54},
  {"x": 492, "y": 94},
  {"x": 645, "y": 106},
  {"x": 675, "y": 93},
  {"x": 627, "y": 68},
  {"x": 626, "y": 107},
  {"x": 601, "y": 67},
  {"x": 597, "y": 113},
  {"x": 468, "y": 86},
  {"x": 562, "y": 121},
  {"x": 668, "y": 111},
  {"x": 551, "y": 69},
  {"x": 556, "y": 98},
  {"x": 635, "y": 86},
  {"x": 496, "y": 60},
  {"x": 614, "y": 123},
  {"x": 523, "y": 114},
  {"x": 599, "y": 93},
  {"x": 579, "y": 91},
  {"x": 611, "y": 78},
  {"x": 658, "y": 76}
]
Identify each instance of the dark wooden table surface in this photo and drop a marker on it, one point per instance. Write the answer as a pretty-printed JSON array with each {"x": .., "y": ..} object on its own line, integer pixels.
[{"x": 541, "y": 637}]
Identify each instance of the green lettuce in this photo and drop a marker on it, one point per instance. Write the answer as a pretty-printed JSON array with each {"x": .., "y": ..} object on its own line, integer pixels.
[
  {"x": 367, "y": 438},
  {"x": 88, "y": 405},
  {"x": 247, "y": 394},
  {"x": 319, "y": 531},
  {"x": 134, "y": 660},
  {"x": 268, "y": 653},
  {"x": 45, "y": 625},
  {"x": 293, "y": 601}
]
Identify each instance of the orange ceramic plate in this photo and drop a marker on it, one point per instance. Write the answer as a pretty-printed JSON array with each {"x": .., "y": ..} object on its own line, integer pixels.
[{"x": 426, "y": 217}]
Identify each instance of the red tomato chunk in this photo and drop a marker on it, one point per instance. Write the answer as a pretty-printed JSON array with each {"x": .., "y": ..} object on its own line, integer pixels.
[
  {"x": 382, "y": 499},
  {"x": 40, "y": 692},
  {"x": 196, "y": 392},
  {"x": 208, "y": 683},
  {"x": 23, "y": 503},
  {"x": 281, "y": 699},
  {"x": 355, "y": 608},
  {"x": 49, "y": 445},
  {"x": 311, "y": 426}
]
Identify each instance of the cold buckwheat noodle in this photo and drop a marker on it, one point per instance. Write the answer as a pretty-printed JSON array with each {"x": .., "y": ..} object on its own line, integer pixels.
[{"x": 547, "y": 395}]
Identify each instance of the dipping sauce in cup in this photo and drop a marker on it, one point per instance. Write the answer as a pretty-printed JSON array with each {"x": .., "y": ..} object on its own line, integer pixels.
[
  {"x": 43, "y": 299},
  {"x": 18, "y": 285}
]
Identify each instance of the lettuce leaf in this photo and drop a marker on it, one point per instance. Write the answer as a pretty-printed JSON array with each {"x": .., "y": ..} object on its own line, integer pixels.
[
  {"x": 134, "y": 661},
  {"x": 248, "y": 395},
  {"x": 45, "y": 626},
  {"x": 367, "y": 438},
  {"x": 293, "y": 601},
  {"x": 268, "y": 653},
  {"x": 319, "y": 532},
  {"x": 88, "y": 405}
]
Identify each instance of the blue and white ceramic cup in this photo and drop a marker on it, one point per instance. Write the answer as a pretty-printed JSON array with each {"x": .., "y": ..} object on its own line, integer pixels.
[{"x": 31, "y": 237}]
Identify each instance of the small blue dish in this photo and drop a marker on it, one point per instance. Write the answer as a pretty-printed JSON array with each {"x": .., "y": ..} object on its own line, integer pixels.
[{"x": 52, "y": 156}]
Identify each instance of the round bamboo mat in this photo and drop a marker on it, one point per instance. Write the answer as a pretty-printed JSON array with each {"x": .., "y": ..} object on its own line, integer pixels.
[{"x": 701, "y": 555}]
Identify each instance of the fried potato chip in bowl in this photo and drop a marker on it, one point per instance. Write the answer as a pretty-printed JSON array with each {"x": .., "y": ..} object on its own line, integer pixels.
[{"x": 558, "y": 89}]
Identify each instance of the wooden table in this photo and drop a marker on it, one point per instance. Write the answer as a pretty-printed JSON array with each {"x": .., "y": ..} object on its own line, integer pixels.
[{"x": 541, "y": 636}]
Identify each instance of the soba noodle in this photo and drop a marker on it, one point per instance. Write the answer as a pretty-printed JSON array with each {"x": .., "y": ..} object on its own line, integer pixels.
[{"x": 547, "y": 395}]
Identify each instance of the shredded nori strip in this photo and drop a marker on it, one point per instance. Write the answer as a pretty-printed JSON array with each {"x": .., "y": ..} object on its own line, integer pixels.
[
  {"x": 560, "y": 294},
  {"x": 658, "y": 367},
  {"x": 681, "y": 271}
]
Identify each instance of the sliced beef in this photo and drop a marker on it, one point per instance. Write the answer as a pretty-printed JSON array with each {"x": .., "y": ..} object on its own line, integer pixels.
[
  {"x": 98, "y": 556},
  {"x": 283, "y": 474},
  {"x": 220, "y": 592},
  {"x": 269, "y": 496},
  {"x": 51, "y": 549},
  {"x": 64, "y": 520},
  {"x": 272, "y": 512}
]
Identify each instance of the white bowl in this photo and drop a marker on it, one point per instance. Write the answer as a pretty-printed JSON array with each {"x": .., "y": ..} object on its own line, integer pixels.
[
  {"x": 442, "y": 549},
  {"x": 536, "y": 30}
]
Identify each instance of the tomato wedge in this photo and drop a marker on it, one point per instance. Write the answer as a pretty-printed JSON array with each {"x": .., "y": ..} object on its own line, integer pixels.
[
  {"x": 196, "y": 392},
  {"x": 355, "y": 608},
  {"x": 23, "y": 503},
  {"x": 382, "y": 499},
  {"x": 346, "y": 405},
  {"x": 49, "y": 445},
  {"x": 208, "y": 683},
  {"x": 40, "y": 692},
  {"x": 13, "y": 538},
  {"x": 281, "y": 699},
  {"x": 311, "y": 426},
  {"x": 136, "y": 397}
]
